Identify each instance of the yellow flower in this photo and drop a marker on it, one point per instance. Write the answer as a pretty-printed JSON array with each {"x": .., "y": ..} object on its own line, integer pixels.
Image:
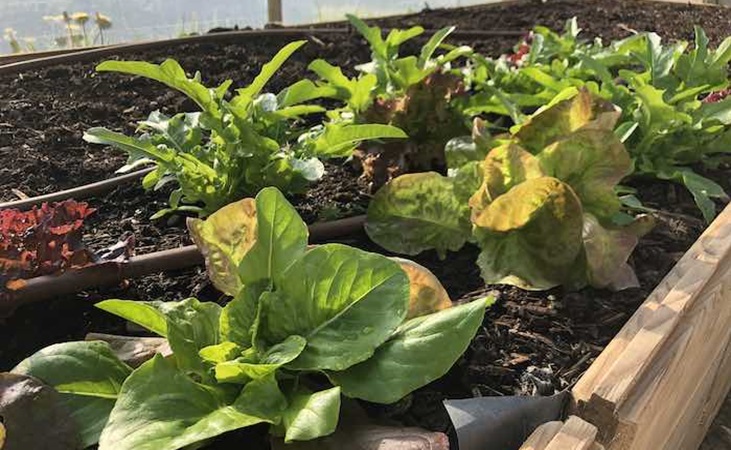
[
  {"x": 80, "y": 17},
  {"x": 103, "y": 21}
]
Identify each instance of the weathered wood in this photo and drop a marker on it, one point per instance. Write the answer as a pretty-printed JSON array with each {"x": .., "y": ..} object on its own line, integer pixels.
[
  {"x": 575, "y": 434},
  {"x": 541, "y": 436},
  {"x": 662, "y": 379},
  {"x": 274, "y": 8}
]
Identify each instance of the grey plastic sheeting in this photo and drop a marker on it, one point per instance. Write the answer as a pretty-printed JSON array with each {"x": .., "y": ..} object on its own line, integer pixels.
[{"x": 501, "y": 423}]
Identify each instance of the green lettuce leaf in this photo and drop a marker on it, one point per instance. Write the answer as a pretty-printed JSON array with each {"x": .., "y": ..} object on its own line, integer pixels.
[
  {"x": 552, "y": 123},
  {"x": 245, "y": 369},
  {"x": 345, "y": 302},
  {"x": 221, "y": 352},
  {"x": 238, "y": 316},
  {"x": 338, "y": 140},
  {"x": 246, "y": 96},
  {"x": 407, "y": 360},
  {"x": 281, "y": 238},
  {"x": 311, "y": 415},
  {"x": 160, "y": 408},
  {"x": 88, "y": 377},
  {"x": 144, "y": 314},
  {"x": 503, "y": 168},
  {"x": 426, "y": 206},
  {"x": 189, "y": 325}
]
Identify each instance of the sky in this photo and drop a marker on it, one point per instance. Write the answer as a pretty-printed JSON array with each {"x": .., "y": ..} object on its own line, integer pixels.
[{"x": 160, "y": 19}]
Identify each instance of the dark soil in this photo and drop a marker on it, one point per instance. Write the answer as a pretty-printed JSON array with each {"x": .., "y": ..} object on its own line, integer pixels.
[
  {"x": 608, "y": 19},
  {"x": 530, "y": 342}
]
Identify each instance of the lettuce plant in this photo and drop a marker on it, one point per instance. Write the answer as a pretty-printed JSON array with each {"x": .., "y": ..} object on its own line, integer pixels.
[
  {"x": 44, "y": 240},
  {"x": 540, "y": 203},
  {"x": 305, "y": 326},
  {"x": 665, "y": 124},
  {"x": 413, "y": 93},
  {"x": 235, "y": 146}
]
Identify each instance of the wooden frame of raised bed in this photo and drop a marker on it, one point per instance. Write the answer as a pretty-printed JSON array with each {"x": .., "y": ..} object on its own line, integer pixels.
[{"x": 661, "y": 380}]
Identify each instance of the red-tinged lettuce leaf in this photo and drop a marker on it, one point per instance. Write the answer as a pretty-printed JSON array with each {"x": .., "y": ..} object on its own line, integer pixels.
[
  {"x": 425, "y": 112},
  {"x": 44, "y": 240},
  {"x": 531, "y": 236},
  {"x": 418, "y": 212},
  {"x": 607, "y": 251}
]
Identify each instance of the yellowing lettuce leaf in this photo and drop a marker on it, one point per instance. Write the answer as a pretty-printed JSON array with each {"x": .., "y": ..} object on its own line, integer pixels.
[
  {"x": 504, "y": 167},
  {"x": 531, "y": 236},
  {"x": 426, "y": 293},
  {"x": 224, "y": 238}
]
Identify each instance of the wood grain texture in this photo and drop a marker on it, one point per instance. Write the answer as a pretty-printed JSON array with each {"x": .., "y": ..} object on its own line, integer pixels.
[
  {"x": 542, "y": 436},
  {"x": 575, "y": 434},
  {"x": 662, "y": 379}
]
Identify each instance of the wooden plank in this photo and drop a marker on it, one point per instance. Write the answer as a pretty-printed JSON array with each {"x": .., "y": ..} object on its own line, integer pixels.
[
  {"x": 659, "y": 383},
  {"x": 575, "y": 434},
  {"x": 541, "y": 436},
  {"x": 274, "y": 11}
]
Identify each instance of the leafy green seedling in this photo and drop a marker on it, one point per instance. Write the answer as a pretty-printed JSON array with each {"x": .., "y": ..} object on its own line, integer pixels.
[
  {"x": 305, "y": 326},
  {"x": 670, "y": 121},
  {"x": 235, "y": 146},
  {"x": 413, "y": 93}
]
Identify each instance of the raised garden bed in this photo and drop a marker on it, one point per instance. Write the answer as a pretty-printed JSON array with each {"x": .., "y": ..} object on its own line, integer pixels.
[{"x": 531, "y": 342}]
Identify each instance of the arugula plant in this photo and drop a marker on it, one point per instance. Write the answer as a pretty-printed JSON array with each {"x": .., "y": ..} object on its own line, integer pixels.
[
  {"x": 665, "y": 124},
  {"x": 236, "y": 146},
  {"x": 413, "y": 93},
  {"x": 305, "y": 326},
  {"x": 540, "y": 202}
]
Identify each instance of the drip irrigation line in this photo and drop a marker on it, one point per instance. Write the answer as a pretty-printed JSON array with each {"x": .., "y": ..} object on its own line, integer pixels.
[
  {"x": 85, "y": 191},
  {"x": 113, "y": 273}
]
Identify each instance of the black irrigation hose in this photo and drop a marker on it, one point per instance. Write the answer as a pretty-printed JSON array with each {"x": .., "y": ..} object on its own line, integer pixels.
[
  {"x": 85, "y": 191},
  {"x": 97, "y": 53},
  {"x": 113, "y": 273}
]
